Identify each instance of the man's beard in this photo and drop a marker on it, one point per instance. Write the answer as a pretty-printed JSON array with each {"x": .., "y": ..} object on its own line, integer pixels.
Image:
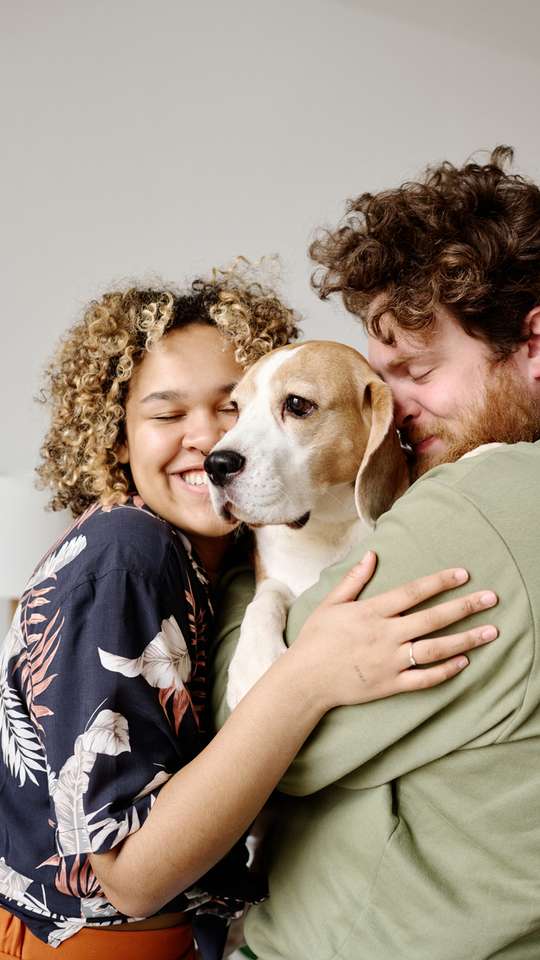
[{"x": 505, "y": 413}]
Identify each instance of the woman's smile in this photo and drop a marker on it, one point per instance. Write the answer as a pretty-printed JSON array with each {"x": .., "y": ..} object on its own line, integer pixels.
[
  {"x": 192, "y": 481},
  {"x": 178, "y": 407}
]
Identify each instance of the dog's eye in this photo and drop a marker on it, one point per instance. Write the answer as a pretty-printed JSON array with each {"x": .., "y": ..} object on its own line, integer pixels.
[{"x": 299, "y": 406}]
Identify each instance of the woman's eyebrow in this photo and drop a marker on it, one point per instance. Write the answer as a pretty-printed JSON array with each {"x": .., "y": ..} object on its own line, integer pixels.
[
  {"x": 176, "y": 396},
  {"x": 182, "y": 396}
]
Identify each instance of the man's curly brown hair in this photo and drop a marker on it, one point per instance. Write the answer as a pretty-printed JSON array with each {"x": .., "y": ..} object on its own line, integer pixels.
[
  {"x": 464, "y": 238},
  {"x": 88, "y": 378}
]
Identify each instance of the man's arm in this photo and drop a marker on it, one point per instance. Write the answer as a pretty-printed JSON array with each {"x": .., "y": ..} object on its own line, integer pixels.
[{"x": 432, "y": 527}]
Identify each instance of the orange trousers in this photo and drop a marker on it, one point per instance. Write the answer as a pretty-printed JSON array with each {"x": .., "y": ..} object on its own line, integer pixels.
[{"x": 172, "y": 943}]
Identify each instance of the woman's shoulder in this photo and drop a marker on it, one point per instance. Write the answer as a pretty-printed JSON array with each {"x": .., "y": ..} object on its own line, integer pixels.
[{"x": 112, "y": 539}]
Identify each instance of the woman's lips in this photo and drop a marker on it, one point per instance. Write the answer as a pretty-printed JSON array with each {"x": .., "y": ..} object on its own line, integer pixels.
[{"x": 196, "y": 489}]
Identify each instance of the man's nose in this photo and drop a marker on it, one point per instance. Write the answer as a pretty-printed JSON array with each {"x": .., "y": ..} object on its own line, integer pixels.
[{"x": 405, "y": 410}]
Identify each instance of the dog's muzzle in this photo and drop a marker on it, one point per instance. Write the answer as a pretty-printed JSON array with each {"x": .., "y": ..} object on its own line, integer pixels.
[{"x": 222, "y": 465}]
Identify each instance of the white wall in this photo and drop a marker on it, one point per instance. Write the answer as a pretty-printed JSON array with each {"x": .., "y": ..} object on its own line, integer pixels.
[{"x": 161, "y": 137}]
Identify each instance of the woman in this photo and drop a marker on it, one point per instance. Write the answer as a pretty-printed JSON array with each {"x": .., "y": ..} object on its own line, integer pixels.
[{"x": 119, "y": 818}]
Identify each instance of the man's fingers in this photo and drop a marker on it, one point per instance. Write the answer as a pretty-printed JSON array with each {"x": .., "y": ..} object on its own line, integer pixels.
[
  {"x": 443, "y": 614},
  {"x": 440, "y": 648},
  {"x": 410, "y": 594},
  {"x": 353, "y": 582}
]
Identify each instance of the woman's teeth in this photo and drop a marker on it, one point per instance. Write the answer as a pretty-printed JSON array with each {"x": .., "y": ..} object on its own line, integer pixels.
[{"x": 196, "y": 478}]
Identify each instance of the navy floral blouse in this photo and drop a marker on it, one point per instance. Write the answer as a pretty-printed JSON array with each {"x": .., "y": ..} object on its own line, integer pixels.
[{"x": 103, "y": 697}]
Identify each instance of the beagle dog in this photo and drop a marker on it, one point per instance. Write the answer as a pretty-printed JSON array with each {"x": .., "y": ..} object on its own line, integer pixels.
[{"x": 313, "y": 458}]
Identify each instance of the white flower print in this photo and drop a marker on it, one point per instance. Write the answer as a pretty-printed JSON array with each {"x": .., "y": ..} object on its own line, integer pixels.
[
  {"x": 164, "y": 663},
  {"x": 108, "y": 734}
]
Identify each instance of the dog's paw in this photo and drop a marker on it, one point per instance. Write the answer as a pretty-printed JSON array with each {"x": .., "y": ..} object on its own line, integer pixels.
[
  {"x": 249, "y": 664},
  {"x": 261, "y": 638}
]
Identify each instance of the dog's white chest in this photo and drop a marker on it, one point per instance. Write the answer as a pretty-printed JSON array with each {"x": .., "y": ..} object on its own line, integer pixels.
[{"x": 296, "y": 557}]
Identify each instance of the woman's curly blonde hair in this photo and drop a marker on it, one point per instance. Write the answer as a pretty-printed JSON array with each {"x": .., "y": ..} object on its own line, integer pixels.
[{"x": 87, "y": 380}]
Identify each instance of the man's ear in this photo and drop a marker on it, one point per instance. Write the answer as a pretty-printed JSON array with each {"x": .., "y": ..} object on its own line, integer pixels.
[
  {"x": 383, "y": 474},
  {"x": 531, "y": 330}
]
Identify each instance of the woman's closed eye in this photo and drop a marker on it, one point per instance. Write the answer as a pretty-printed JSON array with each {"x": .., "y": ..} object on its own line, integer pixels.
[{"x": 168, "y": 416}]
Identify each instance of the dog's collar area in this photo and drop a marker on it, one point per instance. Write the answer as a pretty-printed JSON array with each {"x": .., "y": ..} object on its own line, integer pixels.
[{"x": 301, "y": 522}]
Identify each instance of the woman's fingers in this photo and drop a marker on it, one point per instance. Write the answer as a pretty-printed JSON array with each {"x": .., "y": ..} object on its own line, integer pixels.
[
  {"x": 353, "y": 582},
  {"x": 441, "y": 648},
  {"x": 443, "y": 614},
  {"x": 430, "y": 677},
  {"x": 416, "y": 591}
]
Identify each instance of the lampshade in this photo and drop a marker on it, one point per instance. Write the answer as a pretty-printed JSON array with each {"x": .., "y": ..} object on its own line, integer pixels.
[{"x": 27, "y": 530}]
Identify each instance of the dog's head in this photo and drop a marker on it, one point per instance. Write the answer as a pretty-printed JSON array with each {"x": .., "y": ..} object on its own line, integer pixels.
[{"x": 315, "y": 423}]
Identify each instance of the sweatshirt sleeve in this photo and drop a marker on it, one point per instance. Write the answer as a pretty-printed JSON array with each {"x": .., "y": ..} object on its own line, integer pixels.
[{"x": 434, "y": 526}]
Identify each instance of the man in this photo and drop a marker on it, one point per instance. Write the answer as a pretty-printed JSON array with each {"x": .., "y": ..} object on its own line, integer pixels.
[{"x": 411, "y": 826}]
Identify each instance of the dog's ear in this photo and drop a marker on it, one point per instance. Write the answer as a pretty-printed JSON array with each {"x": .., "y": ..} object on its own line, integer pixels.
[{"x": 383, "y": 474}]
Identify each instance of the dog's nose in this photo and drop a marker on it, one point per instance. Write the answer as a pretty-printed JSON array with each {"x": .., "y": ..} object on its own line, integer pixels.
[{"x": 222, "y": 465}]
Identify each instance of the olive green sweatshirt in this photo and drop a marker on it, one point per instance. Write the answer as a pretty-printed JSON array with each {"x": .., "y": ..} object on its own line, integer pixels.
[{"x": 410, "y": 827}]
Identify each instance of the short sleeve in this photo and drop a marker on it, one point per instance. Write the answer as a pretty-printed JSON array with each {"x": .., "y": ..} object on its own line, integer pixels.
[{"x": 117, "y": 715}]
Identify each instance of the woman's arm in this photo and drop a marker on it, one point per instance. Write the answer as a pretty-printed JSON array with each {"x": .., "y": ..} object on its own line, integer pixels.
[{"x": 208, "y": 805}]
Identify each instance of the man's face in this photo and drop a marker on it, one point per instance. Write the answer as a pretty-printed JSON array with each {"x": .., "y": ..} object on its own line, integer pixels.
[{"x": 450, "y": 393}]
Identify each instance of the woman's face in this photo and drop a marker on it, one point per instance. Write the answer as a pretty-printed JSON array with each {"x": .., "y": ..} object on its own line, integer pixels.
[{"x": 177, "y": 408}]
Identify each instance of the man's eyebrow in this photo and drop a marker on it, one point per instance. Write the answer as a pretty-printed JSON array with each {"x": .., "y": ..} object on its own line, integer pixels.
[
  {"x": 182, "y": 396},
  {"x": 424, "y": 356}
]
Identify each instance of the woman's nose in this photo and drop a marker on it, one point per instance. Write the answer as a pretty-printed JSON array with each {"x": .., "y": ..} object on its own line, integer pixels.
[{"x": 203, "y": 430}]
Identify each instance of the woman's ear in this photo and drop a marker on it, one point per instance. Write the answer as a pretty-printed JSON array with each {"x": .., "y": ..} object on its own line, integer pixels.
[{"x": 122, "y": 453}]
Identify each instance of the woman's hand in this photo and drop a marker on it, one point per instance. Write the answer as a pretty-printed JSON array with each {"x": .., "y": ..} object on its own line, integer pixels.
[{"x": 364, "y": 650}]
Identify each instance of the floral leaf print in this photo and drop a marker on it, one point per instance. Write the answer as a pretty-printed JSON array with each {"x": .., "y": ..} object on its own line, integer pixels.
[
  {"x": 79, "y": 881},
  {"x": 21, "y": 749},
  {"x": 19, "y": 742},
  {"x": 54, "y": 562},
  {"x": 180, "y": 701},
  {"x": 163, "y": 663},
  {"x": 199, "y": 572},
  {"x": 63, "y": 930},
  {"x": 103, "y": 829},
  {"x": 12, "y": 884},
  {"x": 108, "y": 734},
  {"x": 14, "y": 641},
  {"x": 15, "y": 886},
  {"x": 33, "y": 664},
  {"x": 157, "y": 781},
  {"x": 94, "y": 907},
  {"x": 196, "y": 619}
]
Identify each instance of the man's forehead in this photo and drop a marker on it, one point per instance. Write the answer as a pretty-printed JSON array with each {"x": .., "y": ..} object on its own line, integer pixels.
[{"x": 394, "y": 346}]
